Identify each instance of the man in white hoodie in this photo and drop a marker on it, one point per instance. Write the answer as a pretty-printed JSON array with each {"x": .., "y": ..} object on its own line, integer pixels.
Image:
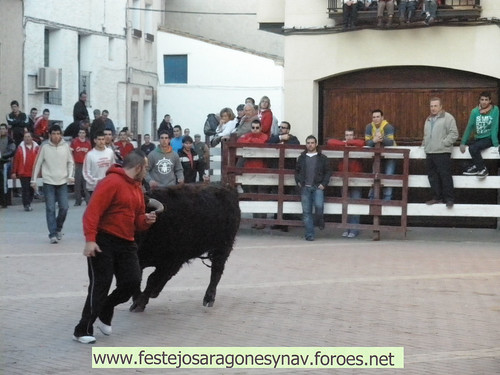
[{"x": 56, "y": 164}]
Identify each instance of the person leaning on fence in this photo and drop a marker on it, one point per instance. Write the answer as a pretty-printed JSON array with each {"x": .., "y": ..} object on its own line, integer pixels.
[
  {"x": 380, "y": 132},
  {"x": 483, "y": 122},
  {"x": 312, "y": 175},
  {"x": 350, "y": 13},
  {"x": 440, "y": 132},
  {"x": 355, "y": 166}
]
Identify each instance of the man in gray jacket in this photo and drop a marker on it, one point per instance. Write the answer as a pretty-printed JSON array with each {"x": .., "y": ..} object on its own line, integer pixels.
[
  {"x": 440, "y": 132},
  {"x": 165, "y": 168}
]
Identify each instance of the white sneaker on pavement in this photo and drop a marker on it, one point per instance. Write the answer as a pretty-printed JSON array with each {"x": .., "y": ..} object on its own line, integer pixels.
[
  {"x": 104, "y": 328},
  {"x": 85, "y": 339}
]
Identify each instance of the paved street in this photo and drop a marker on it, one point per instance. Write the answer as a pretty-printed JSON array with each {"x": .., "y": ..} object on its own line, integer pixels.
[{"x": 435, "y": 293}]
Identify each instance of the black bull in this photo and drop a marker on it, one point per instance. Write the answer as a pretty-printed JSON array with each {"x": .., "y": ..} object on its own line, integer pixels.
[{"x": 199, "y": 221}]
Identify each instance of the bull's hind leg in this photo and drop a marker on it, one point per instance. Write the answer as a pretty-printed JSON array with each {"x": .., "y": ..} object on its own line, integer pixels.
[{"x": 218, "y": 264}]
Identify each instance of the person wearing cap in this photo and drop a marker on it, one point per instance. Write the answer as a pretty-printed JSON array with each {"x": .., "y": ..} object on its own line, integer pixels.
[
  {"x": 190, "y": 160},
  {"x": 203, "y": 152}
]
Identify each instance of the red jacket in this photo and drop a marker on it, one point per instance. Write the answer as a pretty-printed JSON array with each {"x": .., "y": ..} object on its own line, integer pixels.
[
  {"x": 355, "y": 165},
  {"x": 80, "y": 149},
  {"x": 124, "y": 149},
  {"x": 24, "y": 160},
  {"x": 116, "y": 207},
  {"x": 266, "y": 121},
  {"x": 253, "y": 138}
]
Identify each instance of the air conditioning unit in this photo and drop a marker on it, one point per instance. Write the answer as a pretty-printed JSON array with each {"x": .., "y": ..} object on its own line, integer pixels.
[
  {"x": 150, "y": 37},
  {"x": 136, "y": 33},
  {"x": 48, "y": 78}
]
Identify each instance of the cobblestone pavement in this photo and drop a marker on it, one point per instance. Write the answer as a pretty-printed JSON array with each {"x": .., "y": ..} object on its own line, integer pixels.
[{"x": 435, "y": 293}]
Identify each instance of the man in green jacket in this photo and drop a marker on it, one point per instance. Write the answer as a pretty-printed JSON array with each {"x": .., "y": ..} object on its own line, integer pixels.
[{"x": 483, "y": 122}]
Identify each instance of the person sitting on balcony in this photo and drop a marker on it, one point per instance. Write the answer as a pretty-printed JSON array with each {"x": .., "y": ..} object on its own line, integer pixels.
[
  {"x": 350, "y": 13},
  {"x": 406, "y": 10},
  {"x": 382, "y": 5}
]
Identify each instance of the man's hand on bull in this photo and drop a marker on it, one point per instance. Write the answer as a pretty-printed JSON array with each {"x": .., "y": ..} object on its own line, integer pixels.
[
  {"x": 91, "y": 249},
  {"x": 153, "y": 184},
  {"x": 151, "y": 217}
]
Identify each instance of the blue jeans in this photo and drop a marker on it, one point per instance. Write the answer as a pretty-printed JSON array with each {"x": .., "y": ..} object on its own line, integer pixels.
[
  {"x": 312, "y": 196},
  {"x": 405, "y": 7},
  {"x": 53, "y": 194},
  {"x": 431, "y": 8},
  {"x": 390, "y": 167},
  {"x": 354, "y": 193}
]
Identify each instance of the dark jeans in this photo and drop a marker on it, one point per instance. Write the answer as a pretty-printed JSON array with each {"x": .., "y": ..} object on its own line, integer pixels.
[
  {"x": 80, "y": 185},
  {"x": 27, "y": 191},
  {"x": 119, "y": 258},
  {"x": 350, "y": 15},
  {"x": 312, "y": 198},
  {"x": 440, "y": 177},
  {"x": 475, "y": 151}
]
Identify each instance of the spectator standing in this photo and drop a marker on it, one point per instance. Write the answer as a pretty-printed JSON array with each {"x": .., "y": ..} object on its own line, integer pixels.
[
  {"x": 312, "y": 175},
  {"x": 41, "y": 127},
  {"x": 108, "y": 123},
  {"x": 165, "y": 168},
  {"x": 266, "y": 115},
  {"x": 355, "y": 166},
  {"x": 17, "y": 122},
  {"x": 97, "y": 162},
  {"x": 147, "y": 146},
  {"x": 123, "y": 144},
  {"x": 23, "y": 168},
  {"x": 7, "y": 151},
  {"x": 166, "y": 125},
  {"x": 56, "y": 164},
  {"x": 114, "y": 214},
  {"x": 255, "y": 137},
  {"x": 108, "y": 140},
  {"x": 440, "y": 132},
  {"x": 380, "y": 133},
  {"x": 187, "y": 132},
  {"x": 80, "y": 111},
  {"x": 176, "y": 142},
  {"x": 483, "y": 122},
  {"x": 31, "y": 119},
  {"x": 203, "y": 152},
  {"x": 190, "y": 161},
  {"x": 97, "y": 126},
  {"x": 245, "y": 125},
  {"x": 80, "y": 146},
  {"x": 350, "y": 13}
]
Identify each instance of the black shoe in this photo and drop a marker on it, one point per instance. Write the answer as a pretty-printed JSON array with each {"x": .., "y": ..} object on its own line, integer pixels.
[
  {"x": 449, "y": 204},
  {"x": 78, "y": 203},
  {"x": 433, "y": 201},
  {"x": 275, "y": 226},
  {"x": 482, "y": 173},
  {"x": 471, "y": 171},
  {"x": 284, "y": 228}
]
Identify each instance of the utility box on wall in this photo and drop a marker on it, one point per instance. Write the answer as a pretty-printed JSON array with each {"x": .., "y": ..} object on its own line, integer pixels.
[{"x": 48, "y": 78}]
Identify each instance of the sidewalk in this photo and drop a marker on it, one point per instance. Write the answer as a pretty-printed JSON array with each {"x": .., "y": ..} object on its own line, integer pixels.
[{"x": 436, "y": 293}]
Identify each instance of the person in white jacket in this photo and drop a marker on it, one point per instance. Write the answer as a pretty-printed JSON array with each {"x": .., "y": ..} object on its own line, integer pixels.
[
  {"x": 55, "y": 161},
  {"x": 97, "y": 162}
]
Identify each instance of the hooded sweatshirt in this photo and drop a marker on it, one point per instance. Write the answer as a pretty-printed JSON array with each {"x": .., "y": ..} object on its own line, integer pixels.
[
  {"x": 164, "y": 167},
  {"x": 55, "y": 162},
  {"x": 117, "y": 207}
]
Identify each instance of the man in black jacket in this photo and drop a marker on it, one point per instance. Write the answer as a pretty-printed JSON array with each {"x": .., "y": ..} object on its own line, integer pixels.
[
  {"x": 80, "y": 112},
  {"x": 312, "y": 175}
]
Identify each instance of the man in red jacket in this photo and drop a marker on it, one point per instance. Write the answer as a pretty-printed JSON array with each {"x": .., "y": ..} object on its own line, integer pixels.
[
  {"x": 114, "y": 213},
  {"x": 24, "y": 160},
  {"x": 355, "y": 166}
]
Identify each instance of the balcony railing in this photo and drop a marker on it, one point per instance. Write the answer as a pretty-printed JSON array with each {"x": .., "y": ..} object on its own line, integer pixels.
[{"x": 448, "y": 10}]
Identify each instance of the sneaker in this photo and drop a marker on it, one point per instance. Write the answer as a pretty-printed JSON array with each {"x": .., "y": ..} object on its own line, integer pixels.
[
  {"x": 239, "y": 189},
  {"x": 482, "y": 173},
  {"x": 345, "y": 234},
  {"x": 309, "y": 238},
  {"x": 53, "y": 240},
  {"x": 351, "y": 235},
  {"x": 104, "y": 328},
  {"x": 84, "y": 339},
  {"x": 433, "y": 201},
  {"x": 59, "y": 236},
  {"x": 28, "y": 208},
  {"x": 471, "y": 171},
  {"x": 449, "y": 204}
]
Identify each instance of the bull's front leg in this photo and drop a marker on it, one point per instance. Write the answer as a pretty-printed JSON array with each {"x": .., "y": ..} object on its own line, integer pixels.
[{"x": 217, "y": 271}]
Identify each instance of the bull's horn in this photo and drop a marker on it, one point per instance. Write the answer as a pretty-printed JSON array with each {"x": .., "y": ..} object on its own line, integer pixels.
[{"x": 157, "y": 205}]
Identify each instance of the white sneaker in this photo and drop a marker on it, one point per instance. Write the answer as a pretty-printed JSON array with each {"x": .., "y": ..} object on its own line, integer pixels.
[
  {"x": 351, "y": 235},
  {"x": 345, "y": 234},
  {"x": 85, "y": 339},
  {"x": 104, "y": 328},
  {"x": 59, "y": 236},
  {"x": 53, "y": 240}
]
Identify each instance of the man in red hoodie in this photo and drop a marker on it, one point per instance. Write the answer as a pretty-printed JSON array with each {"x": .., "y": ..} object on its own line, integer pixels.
[
  {"x": 115, "y": 212},
  {"x": 24, "y": 160},
  {"x": 355, "y": 166}
]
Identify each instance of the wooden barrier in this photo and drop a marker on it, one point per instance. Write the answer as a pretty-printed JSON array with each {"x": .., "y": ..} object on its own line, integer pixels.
[{"x": 281, "y": 178}]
